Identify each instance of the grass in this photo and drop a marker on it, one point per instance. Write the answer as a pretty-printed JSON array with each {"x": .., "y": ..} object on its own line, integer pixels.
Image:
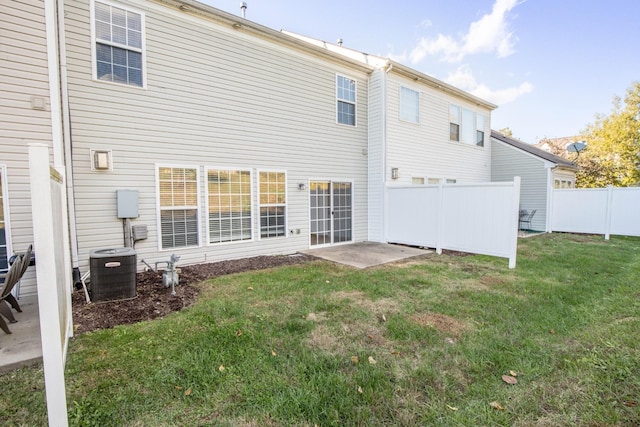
[{"x": 423, "y": 342}]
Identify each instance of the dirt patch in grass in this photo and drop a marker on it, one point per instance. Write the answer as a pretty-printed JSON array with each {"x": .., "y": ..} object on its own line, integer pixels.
[
  {"x": 360, "y": 300},
  {"x": 441, "y": 322},
  {"x": 153, "y": 301}
]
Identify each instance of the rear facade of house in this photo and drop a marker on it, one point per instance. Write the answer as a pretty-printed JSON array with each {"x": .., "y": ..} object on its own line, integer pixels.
[{"x": 234, "y": 139}]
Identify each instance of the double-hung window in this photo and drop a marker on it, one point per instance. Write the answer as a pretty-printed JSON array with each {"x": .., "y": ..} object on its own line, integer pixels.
[
  {"x": 118, "y": 38},
  {"x": 178, "y": 200},
  {"x": 466, "y": 126},
  {"x": 229, "y": 201},
  {"x": 273, "y": 204},
  {"x": 479, "y": 130},
  {"x": 409, "y": 105},
  {"x": 346, "y": 100},
  {"x": 454, "y": 123}
]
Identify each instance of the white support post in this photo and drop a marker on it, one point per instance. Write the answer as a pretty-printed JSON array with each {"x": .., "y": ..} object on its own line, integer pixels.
[
  {"x": 515, "y": 208},
  {"x": 607, "y": 226},
  {"x": 50, "y": 330},
  {"x": 440, "y": 226}
]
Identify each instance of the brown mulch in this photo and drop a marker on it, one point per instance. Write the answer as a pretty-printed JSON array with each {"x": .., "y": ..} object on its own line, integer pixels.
[{"x": 153, "y": 300}]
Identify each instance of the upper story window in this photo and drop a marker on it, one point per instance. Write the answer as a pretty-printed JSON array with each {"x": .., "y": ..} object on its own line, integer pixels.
[
  {"x": 480, "y": 130},
  {"x": 409, "y": 105},
  {"x": 118, "y": 38},
  {"x": 466, "y": 126},
  {"x": 346, "y": 100},
  {"x": 454, "y": 123}
]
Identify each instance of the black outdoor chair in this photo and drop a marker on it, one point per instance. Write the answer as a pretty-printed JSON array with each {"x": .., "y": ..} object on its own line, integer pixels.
[
  {"x": 525, "y": 219},
  {"x": 13, "y": 276}
]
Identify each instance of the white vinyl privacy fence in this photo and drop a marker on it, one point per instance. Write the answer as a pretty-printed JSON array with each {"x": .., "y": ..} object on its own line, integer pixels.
[
  {"x": 53, "y": 274},
  {"x": 596, "y": 210},
  {"x": 475, "y": 218}
]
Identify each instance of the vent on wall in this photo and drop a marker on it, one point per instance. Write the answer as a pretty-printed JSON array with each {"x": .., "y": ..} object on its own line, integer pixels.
[{"x": 101, "y": 160}]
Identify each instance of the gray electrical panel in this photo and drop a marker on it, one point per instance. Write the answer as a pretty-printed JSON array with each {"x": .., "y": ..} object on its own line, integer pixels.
[{"x": 127, "y": 201}]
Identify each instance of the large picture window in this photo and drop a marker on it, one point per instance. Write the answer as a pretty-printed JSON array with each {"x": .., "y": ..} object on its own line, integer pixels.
[
  {"x": 178, "y": 200},
  {"x": 346, "y": 100},
  {"x": 273, "y": 208},
  {"x": 229, "y": 201},
  {"x": 118, "y": 41},
  {"x": 409, "y": 105}
]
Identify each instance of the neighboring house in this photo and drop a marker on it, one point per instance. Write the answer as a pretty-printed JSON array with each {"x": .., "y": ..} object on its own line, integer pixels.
[
  {"x": 29, "y": 113},
  {"x": 557, "y": 146},
  {"x": 539, "y": 170},
  {"x": 421, "y": 131}
]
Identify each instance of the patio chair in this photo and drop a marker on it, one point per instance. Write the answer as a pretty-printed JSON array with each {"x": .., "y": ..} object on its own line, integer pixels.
[
  {"x": 525, "y": 218},
  {"x": 13, "y": 276}
]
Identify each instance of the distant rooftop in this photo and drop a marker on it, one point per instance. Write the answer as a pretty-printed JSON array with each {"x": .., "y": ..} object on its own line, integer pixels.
[{"x": 533, "y": 150}]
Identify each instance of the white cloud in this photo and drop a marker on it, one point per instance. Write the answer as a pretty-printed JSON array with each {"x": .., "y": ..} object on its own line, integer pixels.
[
  {"x": 464, "y": 79},
  {"x": 490, "y": 33}
]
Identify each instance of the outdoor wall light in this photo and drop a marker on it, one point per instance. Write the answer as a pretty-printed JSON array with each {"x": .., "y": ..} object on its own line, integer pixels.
[
  {"x": 302, "y": 186},
  {"x": 394, "y": 173}
]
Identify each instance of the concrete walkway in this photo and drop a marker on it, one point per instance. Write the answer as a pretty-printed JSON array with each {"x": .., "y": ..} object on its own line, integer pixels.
[
  {"x": 22, "y": 346},
  {"x": 365, "y": 254}
]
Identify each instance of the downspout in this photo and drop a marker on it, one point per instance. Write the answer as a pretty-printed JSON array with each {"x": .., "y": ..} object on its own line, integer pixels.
[
  {"x": 68, "y": 162},
  {"x": 54, "y": 82}
]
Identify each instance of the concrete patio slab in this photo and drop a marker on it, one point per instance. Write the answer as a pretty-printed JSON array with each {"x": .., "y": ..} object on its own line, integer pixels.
[
  {"x": 365, "y": 254},
  {"x": 22, "y": 347}
]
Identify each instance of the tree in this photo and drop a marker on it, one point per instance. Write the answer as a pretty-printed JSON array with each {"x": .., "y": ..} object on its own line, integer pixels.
[
  {"x": 506, "y": 132},
  {"x": 612, "y": 156}
]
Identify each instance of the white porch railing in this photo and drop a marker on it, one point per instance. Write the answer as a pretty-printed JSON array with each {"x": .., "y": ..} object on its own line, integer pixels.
[
  {"x": 476, "y": 218},
  {"x": 53, "y": 275}
]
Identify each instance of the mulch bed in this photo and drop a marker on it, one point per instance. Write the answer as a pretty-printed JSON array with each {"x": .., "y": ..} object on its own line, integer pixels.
[{"x": 153, "y": 300}]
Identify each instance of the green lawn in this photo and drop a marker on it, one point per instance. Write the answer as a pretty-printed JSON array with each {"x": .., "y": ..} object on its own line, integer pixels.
[{"x": 424, "y": 342}]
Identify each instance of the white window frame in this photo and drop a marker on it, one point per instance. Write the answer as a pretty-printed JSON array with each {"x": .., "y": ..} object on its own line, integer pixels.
[
  {"x": 481, "y": 123},
  {"x": 455, "y": 121},
  {"x": 4, "y": 199},
  {"x": 353, "y": 102},
  {"x": 407, "y": 112},
  {"x": 251, "y": 201},
  {"x": 160, "y": 209},
  {"x": 94, "y": 41},
  {"x": 266, "y": 205},
  {"x": 467, "y": 121}
]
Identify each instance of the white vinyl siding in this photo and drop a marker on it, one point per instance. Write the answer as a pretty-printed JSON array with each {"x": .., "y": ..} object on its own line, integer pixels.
[
  {"x": 346, "y": 100},
  {"x": 241, "y": 102},
  {"x": 272, "y": 197},
  {"x": 118, "y": 44},
  {"x": 409, "y": 105},
  {"x": 178, "y": 201},
  {"x": 229, "y": 202},
  {"x": 508, "y": 162},
  {"x": 426, "y": 150},
  {"x": 24, "y": 84}
]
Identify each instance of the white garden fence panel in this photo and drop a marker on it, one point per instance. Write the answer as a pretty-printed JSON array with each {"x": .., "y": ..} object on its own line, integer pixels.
[
  {"x": 53, "y": 275},
  {"x": 476, "y": 218},
  {"x": 596, "y": 210}
]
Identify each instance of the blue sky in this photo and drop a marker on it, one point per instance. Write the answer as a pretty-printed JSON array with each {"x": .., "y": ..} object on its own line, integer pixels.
[{"x": 550, "y": 65}]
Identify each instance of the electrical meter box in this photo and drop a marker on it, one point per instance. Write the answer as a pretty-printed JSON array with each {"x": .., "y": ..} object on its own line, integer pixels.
[{"x": 127, "y": 202}]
